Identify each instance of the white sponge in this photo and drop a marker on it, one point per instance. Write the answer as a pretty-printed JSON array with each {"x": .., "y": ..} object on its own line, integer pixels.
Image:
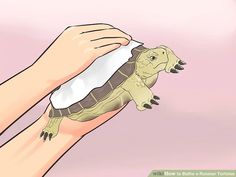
[{"x": 94, "y": 76}]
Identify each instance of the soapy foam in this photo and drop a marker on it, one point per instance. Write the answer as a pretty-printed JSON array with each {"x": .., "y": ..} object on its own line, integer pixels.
[{"x": 94, "y": 76}]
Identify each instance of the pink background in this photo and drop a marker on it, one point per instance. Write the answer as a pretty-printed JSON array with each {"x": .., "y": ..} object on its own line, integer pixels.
[{"x": 195, "y": 125}]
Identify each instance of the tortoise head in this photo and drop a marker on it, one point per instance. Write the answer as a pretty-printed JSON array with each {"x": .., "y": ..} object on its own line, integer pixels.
[
  {"x": 174, "y": 63},
  {"x": 152, "y": 61}
]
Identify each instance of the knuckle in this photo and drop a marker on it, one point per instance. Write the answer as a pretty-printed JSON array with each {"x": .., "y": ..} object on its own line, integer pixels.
[
  {"x": 116, "y": 29},
  {"x": 107, "y": 25},
  {"x": 70, "y": 29},
  {"x": 124, "y": 40},
  {"x": 128, "y": 37}
]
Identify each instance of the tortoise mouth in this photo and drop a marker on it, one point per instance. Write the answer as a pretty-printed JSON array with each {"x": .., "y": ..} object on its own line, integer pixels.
[{"x": 160, "y": 64}]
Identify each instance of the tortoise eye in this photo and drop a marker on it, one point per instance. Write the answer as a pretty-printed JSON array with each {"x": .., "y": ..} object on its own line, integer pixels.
[
  {"x": 163, "y": 52},
  {"x": 153, "y": 58}
]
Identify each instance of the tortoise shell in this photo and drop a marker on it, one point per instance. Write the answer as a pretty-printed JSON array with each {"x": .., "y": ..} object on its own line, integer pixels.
[{"x": 97, "y": 94}]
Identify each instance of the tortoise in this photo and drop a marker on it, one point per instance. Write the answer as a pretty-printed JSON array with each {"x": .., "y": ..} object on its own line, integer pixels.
[{"x": 132, "y": 81}]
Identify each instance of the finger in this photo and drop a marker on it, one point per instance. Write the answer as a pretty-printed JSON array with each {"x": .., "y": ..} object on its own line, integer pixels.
[
  {"x": 105, "y": 33},
  {"x": 102, "y": 50},
  {"x": 94, "y": 27},
  {"x": 109, "y": 40},
  {"x": 89, "y": 27}
]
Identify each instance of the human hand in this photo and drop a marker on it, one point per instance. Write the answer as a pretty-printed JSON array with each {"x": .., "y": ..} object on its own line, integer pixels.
[
  {"x": 30, "y": 152},
  {"x": 77, "y": 47},
  {"x": 73, "y": 51}
]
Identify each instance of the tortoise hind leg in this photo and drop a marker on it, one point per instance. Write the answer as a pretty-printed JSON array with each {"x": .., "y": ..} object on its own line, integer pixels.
[{"x": 51, "y": 129}]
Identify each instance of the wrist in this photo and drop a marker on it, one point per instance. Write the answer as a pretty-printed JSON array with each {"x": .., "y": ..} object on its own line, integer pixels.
[
  {"x": 27, "y": 147},
  {"x": 45, "y": 76}
]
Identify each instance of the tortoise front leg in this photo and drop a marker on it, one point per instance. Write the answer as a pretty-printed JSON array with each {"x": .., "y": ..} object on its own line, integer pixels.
[
  {"x": 150, "y": 81},
  {"x": 140, "y": 93}
]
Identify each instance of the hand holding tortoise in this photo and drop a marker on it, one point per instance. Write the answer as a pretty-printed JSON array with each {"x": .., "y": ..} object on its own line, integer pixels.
[{"x": 77, "y": 47}]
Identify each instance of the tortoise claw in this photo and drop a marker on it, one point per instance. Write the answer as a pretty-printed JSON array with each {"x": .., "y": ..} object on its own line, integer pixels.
[
  {"x": 182, "y": 62},
  {"x": 154, "y": 102},
  {"x": 45, "y": 136},
  {"x": 42, "y": 134},
  {"x": 156, "y": 97},
  {"x": 173, "y": 70},
  {"x": 147, "y": 106},
  {"x": 179, "y": 67},
  {"x": 50, "y": 136}
]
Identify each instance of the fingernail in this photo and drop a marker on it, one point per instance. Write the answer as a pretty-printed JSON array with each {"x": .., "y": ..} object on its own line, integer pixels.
[{"x": 126, "y": 42}]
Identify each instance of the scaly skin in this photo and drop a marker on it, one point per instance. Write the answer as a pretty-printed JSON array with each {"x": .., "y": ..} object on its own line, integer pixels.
[{"x": 137, "y": 87}]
